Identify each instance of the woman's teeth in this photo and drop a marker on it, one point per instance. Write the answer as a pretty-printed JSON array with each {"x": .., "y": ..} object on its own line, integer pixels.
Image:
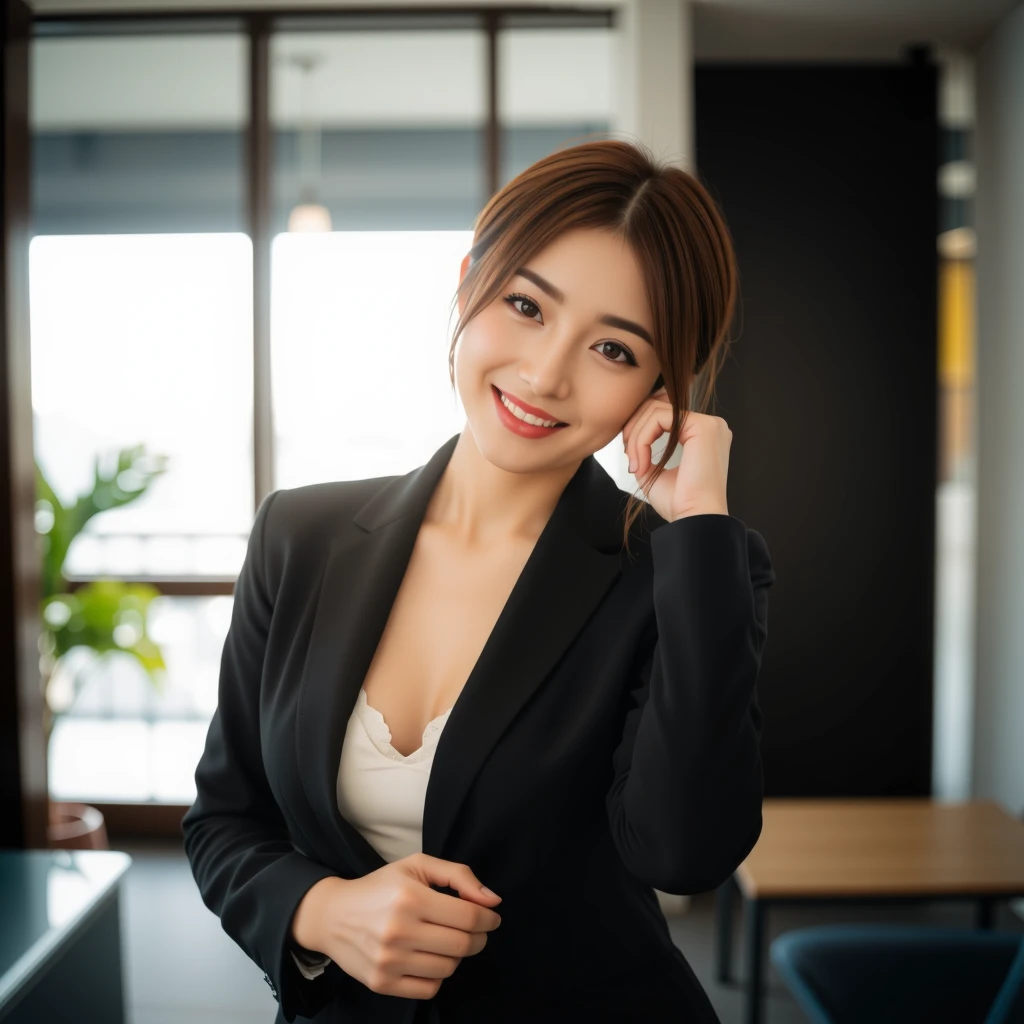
[{"x": 525, "y": 416}]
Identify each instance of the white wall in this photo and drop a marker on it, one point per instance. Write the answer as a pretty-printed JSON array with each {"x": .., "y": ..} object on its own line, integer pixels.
[{"x": 998, "y": 741}]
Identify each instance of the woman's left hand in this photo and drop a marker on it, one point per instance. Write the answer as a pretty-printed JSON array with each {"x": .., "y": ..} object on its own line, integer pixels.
[{"x": 697, "y": 485}]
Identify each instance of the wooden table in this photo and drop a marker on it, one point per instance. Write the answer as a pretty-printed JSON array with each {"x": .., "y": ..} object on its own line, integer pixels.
[{"x": 891, "y": 850}]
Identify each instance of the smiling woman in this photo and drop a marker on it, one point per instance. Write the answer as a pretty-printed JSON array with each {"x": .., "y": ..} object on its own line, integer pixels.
[
  {"x": 452, "y": 681},
  {"x": 619, "y": 279}
]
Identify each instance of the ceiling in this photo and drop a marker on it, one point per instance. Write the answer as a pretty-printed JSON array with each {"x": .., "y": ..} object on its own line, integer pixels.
[
  {"x": 723, "y": 29},
  {"x": 546, "y": 76},
  {"x": 838, "y": 29}
]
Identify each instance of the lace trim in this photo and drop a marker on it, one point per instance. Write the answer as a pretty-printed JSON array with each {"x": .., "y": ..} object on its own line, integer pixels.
[{"x": 380, "y": 735}]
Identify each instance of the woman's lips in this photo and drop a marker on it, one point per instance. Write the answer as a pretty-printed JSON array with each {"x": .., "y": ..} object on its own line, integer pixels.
[
  {"x": 516, "y": 425},
  {"x": 533, "y": 410}
]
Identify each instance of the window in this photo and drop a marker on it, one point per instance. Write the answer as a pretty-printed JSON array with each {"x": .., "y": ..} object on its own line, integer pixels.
[{"x": 145, "y": 330}]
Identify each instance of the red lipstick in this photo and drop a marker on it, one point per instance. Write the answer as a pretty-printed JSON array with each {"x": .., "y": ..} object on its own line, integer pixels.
[{"x": 518, "y": 426}]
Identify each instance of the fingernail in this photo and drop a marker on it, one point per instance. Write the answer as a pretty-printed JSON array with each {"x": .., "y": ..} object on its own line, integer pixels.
[
  {"x": 486, "y": 891},
  {"x": 632, "y": 466}
]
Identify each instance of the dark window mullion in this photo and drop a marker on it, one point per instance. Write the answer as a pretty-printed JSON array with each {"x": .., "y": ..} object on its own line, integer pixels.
[
  {"x": 492, "y": 134},
  {"x": 258, "y": 158},
  {"x": 183, "y": 586}
]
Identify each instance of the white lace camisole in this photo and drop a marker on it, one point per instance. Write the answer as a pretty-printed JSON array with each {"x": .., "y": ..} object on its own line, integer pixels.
[{"x": 380, "y": 791}]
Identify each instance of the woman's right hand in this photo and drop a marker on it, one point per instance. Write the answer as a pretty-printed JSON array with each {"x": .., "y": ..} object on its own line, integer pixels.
[{"x": 391, "y": 931}]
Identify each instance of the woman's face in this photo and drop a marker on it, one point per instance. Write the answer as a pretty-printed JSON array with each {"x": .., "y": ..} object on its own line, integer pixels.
[{"x": 543, "y": 342}]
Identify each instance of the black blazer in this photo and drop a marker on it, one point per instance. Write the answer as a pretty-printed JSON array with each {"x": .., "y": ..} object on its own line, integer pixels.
[{"x": 606, "y": 744}]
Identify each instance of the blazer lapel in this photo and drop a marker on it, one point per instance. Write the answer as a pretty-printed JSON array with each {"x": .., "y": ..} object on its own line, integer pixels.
[{"x": 574, "y": 563}]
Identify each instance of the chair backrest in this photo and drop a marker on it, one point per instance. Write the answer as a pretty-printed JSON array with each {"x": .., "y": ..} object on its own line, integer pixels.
[
  {"x": 894, "y": 973},
  {"x": 1009, "y": 1005}
]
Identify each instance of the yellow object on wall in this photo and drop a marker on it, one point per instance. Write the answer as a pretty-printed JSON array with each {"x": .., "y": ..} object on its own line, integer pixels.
[
  {"x": 956, "y": 323},
  {"x": 956, "y": 368}
]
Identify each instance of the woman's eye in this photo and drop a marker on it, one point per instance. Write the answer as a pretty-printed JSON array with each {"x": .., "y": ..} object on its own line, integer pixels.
[
  {"x": 529, "y": 304},
  {"x": 625, "y": 351}
]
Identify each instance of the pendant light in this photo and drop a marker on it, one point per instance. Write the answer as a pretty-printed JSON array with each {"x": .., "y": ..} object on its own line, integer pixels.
[{"x": 309, "y": 214}]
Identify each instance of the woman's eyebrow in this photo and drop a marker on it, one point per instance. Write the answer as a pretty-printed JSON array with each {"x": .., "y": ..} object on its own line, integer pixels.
[{"x": 559, "y": 296}]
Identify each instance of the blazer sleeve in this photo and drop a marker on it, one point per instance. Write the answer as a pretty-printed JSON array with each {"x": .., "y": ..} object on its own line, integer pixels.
[
  {"x": 684, "y": 806},
  {"x": 235, "y": 836}
]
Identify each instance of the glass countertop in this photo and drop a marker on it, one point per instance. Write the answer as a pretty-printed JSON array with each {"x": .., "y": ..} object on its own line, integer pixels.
[{"x": 46, "y": 896}]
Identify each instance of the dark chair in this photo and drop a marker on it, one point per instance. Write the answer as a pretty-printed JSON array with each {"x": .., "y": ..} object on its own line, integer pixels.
[{"x": 903, "y": 974}]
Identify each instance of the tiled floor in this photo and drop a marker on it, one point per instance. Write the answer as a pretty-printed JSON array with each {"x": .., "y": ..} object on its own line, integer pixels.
[{"x": 181, "y": 967}]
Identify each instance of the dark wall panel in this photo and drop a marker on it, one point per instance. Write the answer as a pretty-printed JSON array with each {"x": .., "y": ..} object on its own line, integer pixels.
[{"x": 827, "y": 176}]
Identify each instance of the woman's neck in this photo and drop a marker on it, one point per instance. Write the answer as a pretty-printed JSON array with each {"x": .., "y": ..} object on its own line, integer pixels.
[{"x": 478, "y": 504}]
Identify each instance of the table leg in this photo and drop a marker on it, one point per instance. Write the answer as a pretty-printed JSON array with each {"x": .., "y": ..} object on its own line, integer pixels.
[
  {"x": 755, "y": 915},
  {"x": 984, "y": 913},
  {"x": 723, "y": 928}
]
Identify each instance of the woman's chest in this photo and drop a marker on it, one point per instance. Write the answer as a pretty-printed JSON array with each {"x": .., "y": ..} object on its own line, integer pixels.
[{"x": 445, "y": 610}]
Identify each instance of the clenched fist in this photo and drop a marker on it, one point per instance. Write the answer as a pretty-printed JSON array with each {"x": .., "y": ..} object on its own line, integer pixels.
[{"x": 394, "y": 933}]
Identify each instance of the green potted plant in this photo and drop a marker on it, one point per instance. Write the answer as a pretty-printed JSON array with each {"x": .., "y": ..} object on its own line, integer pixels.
[{"x": 108, "y": 616}]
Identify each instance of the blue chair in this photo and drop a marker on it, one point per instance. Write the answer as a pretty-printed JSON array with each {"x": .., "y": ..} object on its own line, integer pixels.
[{"x": 903, "y": 974}]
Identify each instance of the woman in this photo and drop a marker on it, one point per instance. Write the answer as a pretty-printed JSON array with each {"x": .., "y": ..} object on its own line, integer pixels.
[{"x": 496, "y": 671}]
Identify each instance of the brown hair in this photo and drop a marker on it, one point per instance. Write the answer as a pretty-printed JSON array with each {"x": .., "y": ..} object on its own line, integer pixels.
[{"x": 677, "y": 234}]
